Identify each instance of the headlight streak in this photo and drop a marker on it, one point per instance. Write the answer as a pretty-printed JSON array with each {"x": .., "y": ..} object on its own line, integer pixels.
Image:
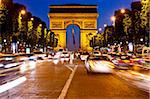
[
  {"x": 1, "y": 65},
  {"x": 56, "y": 61},
  {"x": 11, "y": 65},
  {"x": 32, "y": 65}
]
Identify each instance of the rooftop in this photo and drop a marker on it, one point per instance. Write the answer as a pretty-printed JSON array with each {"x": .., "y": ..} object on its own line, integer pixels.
[{"x": 73, "y": 8}]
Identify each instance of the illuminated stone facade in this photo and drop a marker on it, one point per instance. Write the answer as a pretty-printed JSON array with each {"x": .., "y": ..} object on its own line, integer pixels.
[{"x": 84, "y": 16}]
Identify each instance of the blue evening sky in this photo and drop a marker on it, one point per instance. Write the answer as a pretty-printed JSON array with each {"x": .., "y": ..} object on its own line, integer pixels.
[{"x": 106, "y": 8}]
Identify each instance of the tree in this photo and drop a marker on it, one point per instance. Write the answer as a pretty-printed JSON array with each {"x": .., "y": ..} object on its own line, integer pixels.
[
  {"x": 127, "y": 24},
  {"x": 145, "y": 14},
  {"x": 6, "y": 22},
  {"x": 109, "y": 34}
]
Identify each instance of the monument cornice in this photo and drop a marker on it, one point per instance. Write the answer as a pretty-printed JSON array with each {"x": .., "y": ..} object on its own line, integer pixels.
[
  {"x": 73, "y": 15},
  {"x": 63, "y": 6}
]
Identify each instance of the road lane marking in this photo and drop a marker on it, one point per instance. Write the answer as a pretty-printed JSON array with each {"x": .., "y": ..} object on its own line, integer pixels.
[
  {"x": 69, "y": 67},
  {"x": 66, "y": 87},
  {"x": 12, "y": 84}
]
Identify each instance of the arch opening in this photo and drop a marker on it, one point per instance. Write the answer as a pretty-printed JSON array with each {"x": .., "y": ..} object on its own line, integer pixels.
[{"x": 73, "y": 37}]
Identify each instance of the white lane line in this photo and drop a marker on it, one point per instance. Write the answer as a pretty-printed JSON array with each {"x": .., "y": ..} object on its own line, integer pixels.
[
  {"x": 69, "y": 67},
  {"x": 12, "y": 84},
  {"x": 66, "y": 87}
]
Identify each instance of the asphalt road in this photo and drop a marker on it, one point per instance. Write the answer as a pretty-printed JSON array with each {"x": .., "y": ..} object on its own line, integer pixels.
[
  {"x": 46, "y": 80},
  {"x": 102, "y": 86}
]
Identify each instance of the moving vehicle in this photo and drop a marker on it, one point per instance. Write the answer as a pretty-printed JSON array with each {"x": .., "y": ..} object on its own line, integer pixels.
[
  {"x": 123, "y": 62},
  {"x": 65, "y": 55},
  {"x": 38, "y": 55},
  {"x": 9, "y": 61},
  {"x": 84, "y": 55},
  {"x": 96, "y": 53},
  {"x": 99, "y": 64}
]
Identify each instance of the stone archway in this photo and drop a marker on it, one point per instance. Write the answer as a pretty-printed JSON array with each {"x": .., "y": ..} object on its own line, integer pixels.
[{"x": 85, "y": 16}]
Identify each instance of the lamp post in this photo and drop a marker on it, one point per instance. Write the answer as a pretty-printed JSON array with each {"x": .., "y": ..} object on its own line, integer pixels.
[
  {"x": 113, "y": 19},
  {"x": 20, "y": 23},
  {"x": 5, "y": 45},
  {"x": 32, "y": 19},
  {"x": 105, "y": 38},
  {"x": 39, "y": 34},
  {"x": 20, "y": 26},
  {"x": 22, "y": 12},
  {"x": 105, "y": 25},
  {"x": 99, "y": 30}
]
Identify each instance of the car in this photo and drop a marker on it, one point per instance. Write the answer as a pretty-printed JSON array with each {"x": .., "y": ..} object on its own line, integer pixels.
[
  {"x": 96, "y": 53},
  {"x": 9, "y": 61},
  {"x": 123, "y": 62},
  {"x": 57, "y": 56},
  {"x": 60, "y": 49},
  {"x": 65, "y": 55},
  {"x": 38, "y": 55},
  {"x": 22, "y": 57},
  {"x": 84, "y": 55},
  {"x": 99, "y": 65}
]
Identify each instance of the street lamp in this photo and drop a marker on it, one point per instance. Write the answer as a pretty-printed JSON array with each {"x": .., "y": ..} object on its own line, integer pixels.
[
  {"x": 105, "y": 25},
  {"x": 23, "y": 12},
  {"x": 113, "y": 19},
  {"x": 122, "y": 11},
  {"x": 100, "y": 29},
  {"x": 5, "y": 45},
  {"x": 32, "y": 19},
  {"x": 4, "y": 40},
  {"x": 21, "y": 27},
  {"x": 40, "y": 25}
]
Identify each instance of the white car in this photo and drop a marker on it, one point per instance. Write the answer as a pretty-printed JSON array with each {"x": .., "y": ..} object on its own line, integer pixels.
[
  {"x": 65, "y": 55},
  {"x": 99, "y": 65},
  {"x": 84, "y": 55},
  {"x": 96, "y": 53}
]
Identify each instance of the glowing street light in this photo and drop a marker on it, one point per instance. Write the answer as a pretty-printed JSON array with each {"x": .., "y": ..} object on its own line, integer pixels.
[
  {"x": 122, "y": 11},
  {"x": 100, "y": 29},
  {"x": 141, "y": 39},
  {"x": 23, "y": 12},
  {"x": 105, "y": 25},
  {"x": 4, "y": 40},
  {"x": 113, "y": 19},
  {"x": 32, "y": 19},
  {"x": 40, "y": 25}
]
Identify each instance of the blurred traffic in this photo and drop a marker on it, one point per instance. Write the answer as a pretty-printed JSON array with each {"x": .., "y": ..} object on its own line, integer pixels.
[{"x": 135, "y": 68}]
